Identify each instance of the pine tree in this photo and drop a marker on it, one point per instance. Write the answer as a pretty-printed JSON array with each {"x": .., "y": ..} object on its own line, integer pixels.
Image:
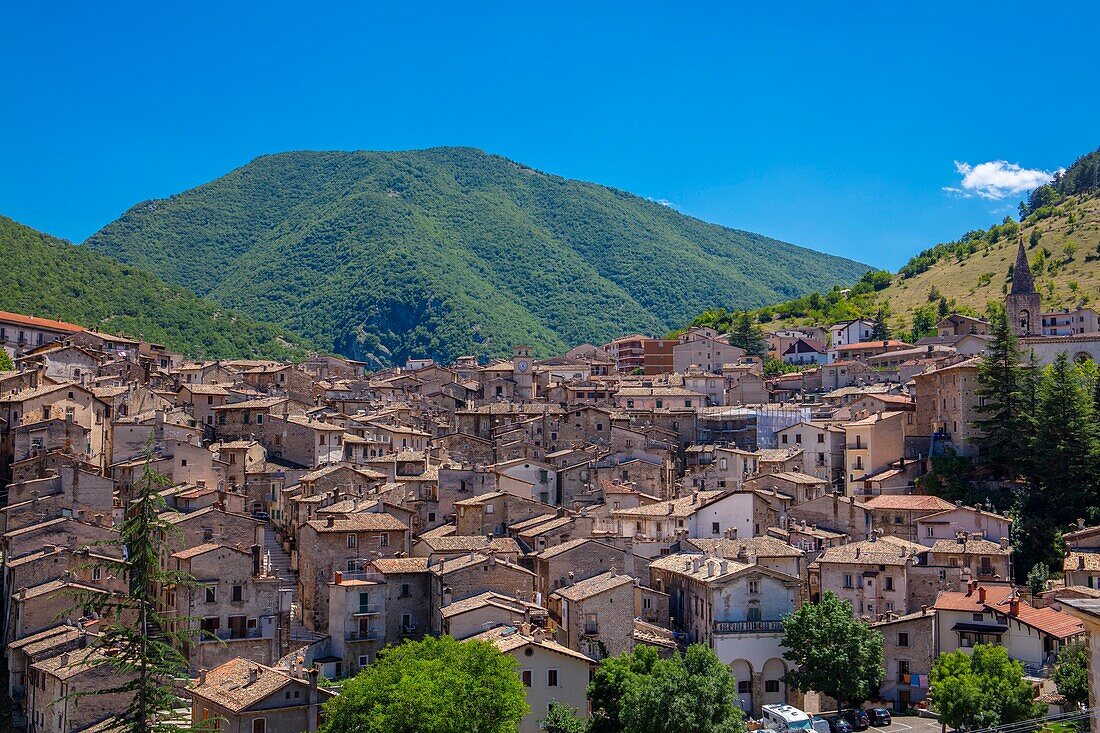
[
  {"x": 143, "y": 643},
  {"x": 748, "y": 335},
  {"x": 880, "y": 331},
  {"x": 1003, "y": 440},
  {"x": 1065, "y": 435}
]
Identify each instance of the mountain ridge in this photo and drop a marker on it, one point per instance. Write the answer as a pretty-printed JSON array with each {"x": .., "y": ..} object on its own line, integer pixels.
[
  {"x": 450, "y": 250},
  {"x": 49, "y": 277}
]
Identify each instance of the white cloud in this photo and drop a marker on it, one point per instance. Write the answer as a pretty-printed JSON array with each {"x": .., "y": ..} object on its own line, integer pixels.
[{"x": 996, "y": 179}]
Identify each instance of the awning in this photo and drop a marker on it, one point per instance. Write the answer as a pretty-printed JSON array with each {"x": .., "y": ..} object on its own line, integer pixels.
[{"x": 979, "y": 627}]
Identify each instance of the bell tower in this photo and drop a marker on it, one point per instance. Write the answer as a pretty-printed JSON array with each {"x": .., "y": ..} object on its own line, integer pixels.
[
  {"x": 521, "y": 372},
  {"x": 1022, "y": 306}
]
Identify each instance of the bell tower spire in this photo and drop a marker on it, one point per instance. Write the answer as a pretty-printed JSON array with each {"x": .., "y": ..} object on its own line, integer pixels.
[{"x": 1022, "y": 306}]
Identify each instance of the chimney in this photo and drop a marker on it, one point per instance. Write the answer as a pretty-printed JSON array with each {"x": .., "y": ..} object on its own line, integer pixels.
[
  {"x": 1080, "y": 524},
  {"x": 330, "y": 521},
  {"x": 1080, "y": 562},
  {"x": 65, "y": 659},
  {"x": 314, "y": 711},
  {"x": 1014, "y": 605},
  {"x": 253, "y": 675},
  {"x": 924, "y": 610},
  {"x": 981, "y": 594},
  {"x": 202, "y": 677},
  {"x": 256, "y": 551},
  {"x": 338, "y": 577},
  {"x": 857, "y": 553}
]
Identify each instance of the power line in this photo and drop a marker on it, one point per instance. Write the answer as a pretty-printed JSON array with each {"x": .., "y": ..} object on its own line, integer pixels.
[{"x": 1026, "y": 725}]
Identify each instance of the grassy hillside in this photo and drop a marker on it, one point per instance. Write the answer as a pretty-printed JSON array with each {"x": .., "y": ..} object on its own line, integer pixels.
[
  {"x": 448, "y": 251},
  {"x": 1059, "y": 223},
  {"x": 48, "y": 277},
  {"x": 1062, "y": 249}
]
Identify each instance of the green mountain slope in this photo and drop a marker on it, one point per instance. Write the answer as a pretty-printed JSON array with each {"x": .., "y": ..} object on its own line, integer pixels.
[
  {"x": 448, "y": 251},
  {"x": 48, "y": 277}
]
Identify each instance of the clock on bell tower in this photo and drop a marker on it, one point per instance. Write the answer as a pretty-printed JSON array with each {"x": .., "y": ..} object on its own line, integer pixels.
[{"x": 521, "y": 372}]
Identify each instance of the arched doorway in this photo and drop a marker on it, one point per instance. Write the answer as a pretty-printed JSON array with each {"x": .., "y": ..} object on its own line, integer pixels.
[
  {"x": 742, "y": 674},
  {"x": 775, "y": 690}
]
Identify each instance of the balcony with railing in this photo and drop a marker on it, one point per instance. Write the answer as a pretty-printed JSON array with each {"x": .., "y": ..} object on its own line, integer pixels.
[
  {"x": 363, "y": 635},
  {"x": 223, "y": 635},
  {"x": 366, "y": 609},
  {"x": 748, "y": 627}
]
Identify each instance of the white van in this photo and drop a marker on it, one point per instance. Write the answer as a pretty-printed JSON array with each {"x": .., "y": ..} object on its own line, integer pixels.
[{"x": 785, "y": 719}]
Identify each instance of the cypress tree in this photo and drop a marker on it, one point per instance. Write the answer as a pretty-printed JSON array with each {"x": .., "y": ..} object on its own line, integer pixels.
[
  {"x": 880, "y": 331},
  {"x": 1003, "y": 441}
]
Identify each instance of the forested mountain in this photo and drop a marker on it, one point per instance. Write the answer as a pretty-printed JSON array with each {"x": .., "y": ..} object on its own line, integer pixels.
[
  {"x": 448, "y": 251},
  {"x": 51, "y": 278}
]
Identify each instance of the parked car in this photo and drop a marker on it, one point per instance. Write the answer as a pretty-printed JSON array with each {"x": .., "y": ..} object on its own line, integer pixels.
[
  {"x": 856, "y": 718},
  {"x": 819, "y": 724},
  {"x": 879, "y": 716},
  {"x": 838, "y": 724}
]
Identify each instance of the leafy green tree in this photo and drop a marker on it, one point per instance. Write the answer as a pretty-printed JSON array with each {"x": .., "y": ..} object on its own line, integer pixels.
[
  {"x": 1037, "y": 578},
  {"x": 637, "y": 692},
  {"x": 954, "y": 691},
  {"x": 748, "y": 335},
  {"x": 983, "y": 689},
  {"x": 437, "y": 685},
  {"x": 880, "y": 331},
  {"x": 832, "y": 651},
  {"x": 924, "y": 323},
  {"x": 610, "y": 684},
  {"x": 563, "y": 719},
  {"x": 6, "y": 364},
  {"x": 1071, "y": 674},
  {"x": 1003, "y": 437},
  {"x": 684, "y": 694},
  {"x": 144, "y": 643}
]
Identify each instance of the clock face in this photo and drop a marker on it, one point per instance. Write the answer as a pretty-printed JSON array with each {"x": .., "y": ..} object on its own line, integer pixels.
[{"x": 523, "y": 366}]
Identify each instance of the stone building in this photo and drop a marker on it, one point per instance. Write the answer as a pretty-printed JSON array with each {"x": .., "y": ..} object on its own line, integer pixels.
[
  {"x": 346, "y": 544},
  {"x": 455, "y": 580},
  {"x": 247, "y": 697},
  {"x": 55, "y": 684},
  {"x": 232, "y": 609},
  {"x": 908, "y": 649},
  {"x": 596, "y": 615},
  {"x": 735, "y": 608},
  {"x": 578, "y": 560}
]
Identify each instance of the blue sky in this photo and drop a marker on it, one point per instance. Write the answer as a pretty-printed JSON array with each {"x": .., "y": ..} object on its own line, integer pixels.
[{"x": 833, "y": 126}]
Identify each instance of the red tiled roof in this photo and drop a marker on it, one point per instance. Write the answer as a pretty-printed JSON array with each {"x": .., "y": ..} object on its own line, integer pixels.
[
  {"x": 997, "y": 599},
  {"x": 36, "y": 322},
  {"x": 866, "y": 345},
  {"x": 908, "y": 501}
]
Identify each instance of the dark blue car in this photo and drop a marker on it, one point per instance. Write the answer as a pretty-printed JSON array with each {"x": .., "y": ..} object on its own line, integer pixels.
[
  {"x": 856, "y": 718},
  {"x": 879, "y": 716}
]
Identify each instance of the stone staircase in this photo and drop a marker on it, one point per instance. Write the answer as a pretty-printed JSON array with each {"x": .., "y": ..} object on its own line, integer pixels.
[{"x": 280, "y": 566}]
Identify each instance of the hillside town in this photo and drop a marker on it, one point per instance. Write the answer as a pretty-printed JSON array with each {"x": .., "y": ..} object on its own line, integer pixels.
[{"x": 650, "y": 492}]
